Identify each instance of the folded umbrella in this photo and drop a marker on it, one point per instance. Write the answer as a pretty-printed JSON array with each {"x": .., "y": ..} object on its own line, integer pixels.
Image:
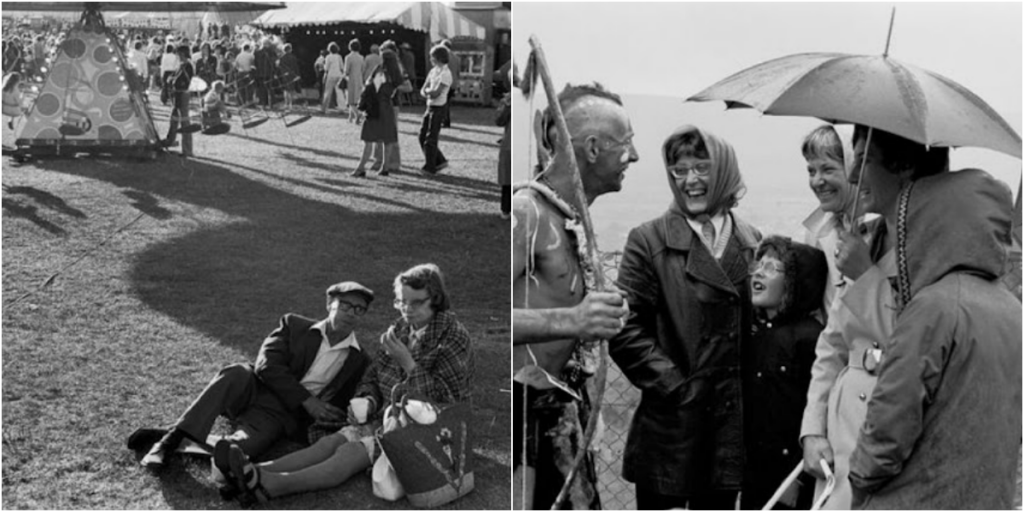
[{"x": 871, "y": 90}]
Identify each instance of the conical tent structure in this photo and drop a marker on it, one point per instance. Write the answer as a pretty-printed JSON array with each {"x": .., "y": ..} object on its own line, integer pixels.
[{"x": 87, "y": 103}]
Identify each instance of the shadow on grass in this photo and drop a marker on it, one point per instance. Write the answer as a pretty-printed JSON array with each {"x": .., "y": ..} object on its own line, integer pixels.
[
  {"x": 444, "y": 137},
  {"x": 30, "y": 213},
  {"x": 277, "y": 252},
  {"x": 46, "y": 199}
]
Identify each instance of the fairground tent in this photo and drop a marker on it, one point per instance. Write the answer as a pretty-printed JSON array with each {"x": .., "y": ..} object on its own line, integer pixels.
[{"x": 434, "y": 18}]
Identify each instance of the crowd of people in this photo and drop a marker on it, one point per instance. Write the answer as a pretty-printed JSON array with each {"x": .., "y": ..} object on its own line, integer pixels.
[
  {"x": 882, "y": 348},
  {"x": 246, "y": 69}
]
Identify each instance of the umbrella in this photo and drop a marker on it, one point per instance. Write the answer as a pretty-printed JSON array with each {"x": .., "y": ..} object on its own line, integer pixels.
[
  {"x": 871, "y": 90},
  {"x": 144, "y": 6}
]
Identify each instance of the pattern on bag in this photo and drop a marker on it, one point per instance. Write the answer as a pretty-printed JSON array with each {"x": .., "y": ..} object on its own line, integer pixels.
[{"x": 460, "y": 463}]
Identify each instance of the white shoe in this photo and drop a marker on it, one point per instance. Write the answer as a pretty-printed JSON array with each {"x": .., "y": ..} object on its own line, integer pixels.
[{"x": 155, "y": 459}]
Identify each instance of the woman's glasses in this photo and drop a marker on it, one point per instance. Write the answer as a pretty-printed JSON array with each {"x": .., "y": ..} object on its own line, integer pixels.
[
  {"x": 410, "y": 304},
  {"x": 770, "y": 268},
  {"x": 699, "y": 169}
]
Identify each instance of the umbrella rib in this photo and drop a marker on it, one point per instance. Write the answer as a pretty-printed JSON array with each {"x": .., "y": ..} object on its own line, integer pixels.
[{"x": 978, "y": 103}]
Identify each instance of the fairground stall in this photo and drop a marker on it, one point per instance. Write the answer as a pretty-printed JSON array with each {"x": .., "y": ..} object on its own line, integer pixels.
[{"x": 311, "y": 26}]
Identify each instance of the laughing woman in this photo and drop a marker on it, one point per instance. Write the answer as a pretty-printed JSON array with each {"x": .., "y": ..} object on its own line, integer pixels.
[
  {"x": 427, "y": 349},
  {"x": 829, "y": 156}
]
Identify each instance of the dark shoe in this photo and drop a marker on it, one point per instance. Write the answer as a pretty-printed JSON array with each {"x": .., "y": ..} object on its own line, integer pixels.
[
  {"x": 159, "y": 455},
  {"x": 145, "y": 438},
  {"x": 427, "y": 172},
  {"x": 167, "y": 143},
  {"x": 222, "y": 461},
  {"x": 10, "y": 124},
  {"x": 246, "y": 477},
  {"x": 383, "y": 172},
  {"x": 357, "y": 174},
  {"x": 441, "y": 166}
]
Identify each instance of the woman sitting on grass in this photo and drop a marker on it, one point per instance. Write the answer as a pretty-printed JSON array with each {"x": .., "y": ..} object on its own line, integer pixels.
[{"x": 426, "y": 350}]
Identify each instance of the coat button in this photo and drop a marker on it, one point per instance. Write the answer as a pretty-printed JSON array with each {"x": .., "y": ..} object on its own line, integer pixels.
[
  {"x": 759, "y": 375},
  {"x": 783, "y": 369},
  {"x": 785, "y": 452},
  {"x": 863, "y": 397}
]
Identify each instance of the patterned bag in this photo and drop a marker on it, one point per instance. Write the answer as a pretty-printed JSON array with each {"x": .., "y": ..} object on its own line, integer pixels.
[{"x": 433, "y": 461}]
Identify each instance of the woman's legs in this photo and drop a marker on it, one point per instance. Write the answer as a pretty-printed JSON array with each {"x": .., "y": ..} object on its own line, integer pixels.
[
  {"x": 330, "y": 87},
  {"x": 347, "y": 460},
  {"x": 367, "y": 153},
  {"x": 307, "y": 457}
]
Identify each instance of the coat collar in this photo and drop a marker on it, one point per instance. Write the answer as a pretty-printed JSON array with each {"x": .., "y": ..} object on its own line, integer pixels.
[{"x": 679, "y": 235}]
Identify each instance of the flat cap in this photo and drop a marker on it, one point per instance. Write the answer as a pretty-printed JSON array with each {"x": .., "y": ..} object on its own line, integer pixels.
[{"x": 350, "y": 287}]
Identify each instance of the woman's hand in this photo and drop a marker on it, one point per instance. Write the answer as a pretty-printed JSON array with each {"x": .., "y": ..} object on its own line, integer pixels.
[
  {"x": 815, "y": 449},
  {"x": 853, "y": 258},
  {"x": 397, "y": 350}
]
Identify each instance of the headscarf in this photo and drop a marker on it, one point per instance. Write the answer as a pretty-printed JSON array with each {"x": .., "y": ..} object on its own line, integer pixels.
[
  {"x": 968, "y": 212},
  {"x": 725, "y": 184}
]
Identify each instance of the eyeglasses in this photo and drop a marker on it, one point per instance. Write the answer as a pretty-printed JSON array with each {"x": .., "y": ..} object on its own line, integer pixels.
[
  {"x": 410, "y": 304},
  {"x": 770, "y": 268},
  {"x": 355, "y": 309},
  {"x": 699, "y": 169}
]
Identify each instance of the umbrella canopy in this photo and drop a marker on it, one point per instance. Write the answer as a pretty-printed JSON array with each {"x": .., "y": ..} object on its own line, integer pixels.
[
  {"x": 433, "y": 17},
  {"x": 875, "y": 91}
]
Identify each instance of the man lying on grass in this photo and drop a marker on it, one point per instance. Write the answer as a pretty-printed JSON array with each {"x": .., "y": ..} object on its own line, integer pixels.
[{"x": 303, "y": 379}]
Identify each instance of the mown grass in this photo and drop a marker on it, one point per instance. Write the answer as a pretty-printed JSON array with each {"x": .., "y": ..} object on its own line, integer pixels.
[{"x": 255, "y": 226}]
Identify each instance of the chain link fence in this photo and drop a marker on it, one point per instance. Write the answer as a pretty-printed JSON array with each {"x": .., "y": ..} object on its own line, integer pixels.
[{"x": 620, "y": 401}]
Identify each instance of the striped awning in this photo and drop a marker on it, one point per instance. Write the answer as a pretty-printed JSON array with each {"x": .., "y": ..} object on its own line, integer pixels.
[{"x": 436, "y": 18}]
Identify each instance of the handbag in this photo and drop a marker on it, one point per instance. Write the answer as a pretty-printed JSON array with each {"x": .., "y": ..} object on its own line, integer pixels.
[
  {"x": 386, "y": 484},
  {"x": 432, "y": 460}
]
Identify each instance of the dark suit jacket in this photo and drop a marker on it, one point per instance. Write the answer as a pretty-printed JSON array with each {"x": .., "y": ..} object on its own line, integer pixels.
[{"x": 286, "y": 356}]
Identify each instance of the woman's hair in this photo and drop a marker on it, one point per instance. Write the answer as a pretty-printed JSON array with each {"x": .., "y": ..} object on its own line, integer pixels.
[
  {"x": 287, "y": 47},
  {"x": 354, "y": 45},
  {"x": 333, "y": 48},
  {"x": 205, "y": 46},
  {"x": 184, "y": 51},
  {"x": 170, "y": 48},
  {"x": 218, "y": 85},
  {"x": 823, "y": 142},
  {"x": 389, "y": 45},
  {"x": 11, "y": 81},
  {"x": 689, "y": 145},
  {"x": 391, "y": 67},
  {"x": 900, "y": 154},
  {"x": 428, "y": 276},
  {"x": 440, "y": 54}
]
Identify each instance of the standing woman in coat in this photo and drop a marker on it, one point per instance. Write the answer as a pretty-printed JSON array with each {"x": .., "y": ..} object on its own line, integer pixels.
[
  {"x": 861, "y": 318},
  {"x": 354, "y": 73},
  {"x": 686, "y": 277},
  {"x": 945, "y": 414},
  {"x": 380, "y": 127}
]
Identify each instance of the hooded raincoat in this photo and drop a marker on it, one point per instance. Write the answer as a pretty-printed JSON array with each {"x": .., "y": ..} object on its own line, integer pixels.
[
  {"x": 945, "y": 414},
  {"x": 777, "y": 370},
  {"x": 691, "y": 314}
]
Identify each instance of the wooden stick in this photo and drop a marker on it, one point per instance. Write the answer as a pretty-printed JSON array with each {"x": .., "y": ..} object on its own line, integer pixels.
[{"x": 591, "y": 251}]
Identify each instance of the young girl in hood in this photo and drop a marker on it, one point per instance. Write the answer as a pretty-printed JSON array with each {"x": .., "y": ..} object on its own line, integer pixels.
[{"x": 786, "y": 285}]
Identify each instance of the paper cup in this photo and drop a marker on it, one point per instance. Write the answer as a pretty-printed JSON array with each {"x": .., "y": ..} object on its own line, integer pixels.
[{"x": 360, "y": 407}]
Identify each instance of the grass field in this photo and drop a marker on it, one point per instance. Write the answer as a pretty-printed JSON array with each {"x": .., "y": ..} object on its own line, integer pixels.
[{"x": 223, "y": 244}]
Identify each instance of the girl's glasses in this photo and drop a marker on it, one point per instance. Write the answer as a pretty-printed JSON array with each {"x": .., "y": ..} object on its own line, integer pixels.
[{"x": 770, "y": 268}]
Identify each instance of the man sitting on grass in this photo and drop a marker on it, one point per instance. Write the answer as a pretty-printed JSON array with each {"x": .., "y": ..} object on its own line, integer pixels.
[{"x": 306, "y": 372}]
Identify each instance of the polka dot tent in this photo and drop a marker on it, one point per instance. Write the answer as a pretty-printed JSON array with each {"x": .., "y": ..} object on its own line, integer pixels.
[{"x": 87, "y": 99}]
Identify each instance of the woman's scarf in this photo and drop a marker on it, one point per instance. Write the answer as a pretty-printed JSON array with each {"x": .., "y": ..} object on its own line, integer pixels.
[{"x": 725, "y": 184}]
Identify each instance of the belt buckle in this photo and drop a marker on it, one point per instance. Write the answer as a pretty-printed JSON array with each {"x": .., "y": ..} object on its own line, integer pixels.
[{"x": 871, "y": 359}]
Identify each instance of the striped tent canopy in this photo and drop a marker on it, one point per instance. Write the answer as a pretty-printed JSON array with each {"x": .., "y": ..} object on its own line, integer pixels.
[{"x": 436, "y": 18}]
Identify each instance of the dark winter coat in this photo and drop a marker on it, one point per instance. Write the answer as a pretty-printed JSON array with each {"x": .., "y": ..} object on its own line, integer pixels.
[
  {"x": 777, "y": 371},
  {"x": 690, "y": 314}
]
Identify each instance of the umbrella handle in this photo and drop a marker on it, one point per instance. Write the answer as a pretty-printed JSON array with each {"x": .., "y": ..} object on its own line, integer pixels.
[
  {"x": 830, "y": 485},
  {"x": 860, "y": 177},
  {"x": 793, "y": 475}
]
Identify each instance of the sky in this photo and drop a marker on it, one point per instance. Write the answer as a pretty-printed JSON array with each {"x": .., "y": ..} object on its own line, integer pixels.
[{"x": 657, "y": 54}]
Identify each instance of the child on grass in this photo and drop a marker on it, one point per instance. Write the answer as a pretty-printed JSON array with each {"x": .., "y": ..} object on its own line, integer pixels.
[{"x": 787, "y": 282}]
